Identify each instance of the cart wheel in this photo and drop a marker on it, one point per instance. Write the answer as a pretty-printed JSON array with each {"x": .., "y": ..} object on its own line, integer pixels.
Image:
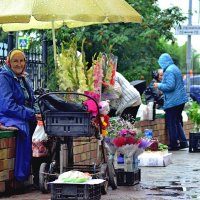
[
  {"x": 112, "y": 175},
  {"x": 104, "y": 187},
  {"x": 43, "y": 178},
  {"x": 104, "y": 176}
]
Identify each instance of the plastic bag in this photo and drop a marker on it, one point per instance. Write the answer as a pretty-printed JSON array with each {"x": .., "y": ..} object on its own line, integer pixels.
[
  {"x": 147, "y": 112},
  {"x": 39, "y": 141},
  {"x": 55, "y": 103},
  {"x": 150, "y": 110}
]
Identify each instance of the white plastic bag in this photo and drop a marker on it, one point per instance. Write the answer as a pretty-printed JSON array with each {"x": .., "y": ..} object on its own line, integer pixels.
[
  {"x": 39, "y": 133},
  {"x": 150, "y": 110},
  {"x": 143, "y": 115},
  {"x": 147, "y": 112},
  {"x": 39, "y": 141}
]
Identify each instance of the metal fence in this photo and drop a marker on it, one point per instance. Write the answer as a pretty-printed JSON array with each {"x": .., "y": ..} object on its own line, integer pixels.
[
  {"x": 36, "y": 68},
  {"x": 3, "y": 53}
]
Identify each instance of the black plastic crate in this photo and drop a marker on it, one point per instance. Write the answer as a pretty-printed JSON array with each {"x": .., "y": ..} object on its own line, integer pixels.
[
  {"x": 194, "y": 142},
  {"x": 76, "y": 124},
  {"x": 62, "y": 191},
  {"x": 128, "y": 178}
]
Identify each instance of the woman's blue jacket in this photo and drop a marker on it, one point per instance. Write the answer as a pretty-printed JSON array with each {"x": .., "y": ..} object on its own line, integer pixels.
[
  {"x": 14, "y": 113},
  {"x": 172, "y": 84}
]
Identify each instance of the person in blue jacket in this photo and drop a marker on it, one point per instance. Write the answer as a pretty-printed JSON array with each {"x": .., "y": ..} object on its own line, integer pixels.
[
  {"x": 175, "y": 97},
  {"x": 16, "y": 109}
]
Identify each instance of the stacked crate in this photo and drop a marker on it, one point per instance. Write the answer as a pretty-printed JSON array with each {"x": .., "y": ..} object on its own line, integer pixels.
[
  {"x": 128, "y": 178},
  {"x": 194, "y": 142},
  {"x": 7, "y": 158}
]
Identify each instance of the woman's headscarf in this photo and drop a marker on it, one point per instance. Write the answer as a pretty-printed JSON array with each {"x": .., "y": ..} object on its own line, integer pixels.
[
  {"x": 155, "y": 75},
  {"x": 12, "y": 53}
]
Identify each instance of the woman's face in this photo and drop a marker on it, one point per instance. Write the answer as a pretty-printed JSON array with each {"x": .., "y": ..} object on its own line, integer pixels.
[{"x": 17, "y": 63}]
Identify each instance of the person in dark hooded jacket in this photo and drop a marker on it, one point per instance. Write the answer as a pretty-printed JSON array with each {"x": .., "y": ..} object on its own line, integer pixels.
[
  {"x": 16, "y": 109},
  {"x": 175, "y": 97},
  {"x": 152, "y": 94}
]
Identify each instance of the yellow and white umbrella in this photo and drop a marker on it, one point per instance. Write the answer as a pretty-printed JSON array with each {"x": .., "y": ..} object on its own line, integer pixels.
[{"x": 52, "y": 14}]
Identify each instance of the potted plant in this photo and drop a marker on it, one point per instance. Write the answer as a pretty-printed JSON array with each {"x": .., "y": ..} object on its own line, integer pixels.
[
  {"x": 194, "y": 116},
  {"x": 194, "y": 135}
]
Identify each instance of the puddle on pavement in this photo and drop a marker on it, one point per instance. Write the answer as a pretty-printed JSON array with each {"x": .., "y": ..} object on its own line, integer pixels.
[
  {"x": 175, "y": 189},
  {"x": 196, "y": 170},
  {"x": 166, "y": 195}
]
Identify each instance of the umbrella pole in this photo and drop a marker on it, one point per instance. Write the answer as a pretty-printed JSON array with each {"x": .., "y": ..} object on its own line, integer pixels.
[{"x": 54, "y": 44}]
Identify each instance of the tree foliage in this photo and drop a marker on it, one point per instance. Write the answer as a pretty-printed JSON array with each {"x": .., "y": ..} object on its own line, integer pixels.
[
  {"x": 3, "y": 36},
  {"x": 137, "y": 45}
]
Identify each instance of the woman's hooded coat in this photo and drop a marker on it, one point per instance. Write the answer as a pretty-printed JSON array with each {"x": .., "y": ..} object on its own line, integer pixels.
[
  {"x": 172, "y": 83},
  {"x": 14, "y": 113}
]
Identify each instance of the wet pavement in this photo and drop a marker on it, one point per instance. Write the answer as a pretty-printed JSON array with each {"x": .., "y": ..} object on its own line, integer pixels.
[{"x": 179, "y": 180}]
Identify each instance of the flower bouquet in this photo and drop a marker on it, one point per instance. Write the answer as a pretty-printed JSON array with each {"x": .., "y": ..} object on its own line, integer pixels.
[
  {"x": 131, "y": 147},
  {"x": 116, "y": 124},
  {"x": 125, "y": 138}
]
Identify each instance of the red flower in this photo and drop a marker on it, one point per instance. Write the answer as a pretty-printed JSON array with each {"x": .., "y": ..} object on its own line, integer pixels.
[
  {"x": 131, "y": 140},
  {"x": 120, "y": 141},
  {"x": 123, "y": 140}
]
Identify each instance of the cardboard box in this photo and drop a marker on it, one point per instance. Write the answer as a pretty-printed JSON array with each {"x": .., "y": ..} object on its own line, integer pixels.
[{"x": 154, "y": 159}]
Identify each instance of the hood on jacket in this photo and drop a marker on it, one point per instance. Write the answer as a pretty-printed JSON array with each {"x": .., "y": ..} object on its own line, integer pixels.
[
  {"x": 165, "y": 60},
  {"x": 6, "y": 70}
]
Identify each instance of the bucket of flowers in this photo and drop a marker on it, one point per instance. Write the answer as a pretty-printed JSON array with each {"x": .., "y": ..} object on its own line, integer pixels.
[
  {"x": 116, "y": 124},
  {"x": 124, "y": 138}
]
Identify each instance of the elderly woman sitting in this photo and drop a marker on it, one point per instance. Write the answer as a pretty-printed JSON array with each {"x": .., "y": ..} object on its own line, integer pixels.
[{"x": 16, "y": 109}]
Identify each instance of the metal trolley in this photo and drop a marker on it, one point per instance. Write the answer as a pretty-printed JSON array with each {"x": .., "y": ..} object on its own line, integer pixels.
[{"x": 67, "y": 122}]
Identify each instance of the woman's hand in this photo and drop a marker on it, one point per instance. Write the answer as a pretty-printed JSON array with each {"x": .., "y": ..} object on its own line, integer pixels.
[
  {"x": 38, "y": 117},
  {"x": 155, "y": 85}
]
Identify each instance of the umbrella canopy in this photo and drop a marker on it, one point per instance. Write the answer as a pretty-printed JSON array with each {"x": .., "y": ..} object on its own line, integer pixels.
[
  {"x": 52, "y": 14},
  {"x": 111, "y": 11}
]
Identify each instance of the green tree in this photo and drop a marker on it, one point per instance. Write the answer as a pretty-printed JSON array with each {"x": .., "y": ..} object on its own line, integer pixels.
[
  {"x": 179, "y": 53},
  {"x": 3, "y": 36},
  {"x": 136, "y": 45},
  {"x": 195, "y": 62}
]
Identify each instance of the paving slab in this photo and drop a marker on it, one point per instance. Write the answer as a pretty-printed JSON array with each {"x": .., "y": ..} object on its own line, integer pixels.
[{"x": 179, "y": 180}]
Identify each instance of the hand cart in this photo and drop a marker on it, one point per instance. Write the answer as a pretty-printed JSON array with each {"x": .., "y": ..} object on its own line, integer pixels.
[{"x": 67, "y": 122}]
